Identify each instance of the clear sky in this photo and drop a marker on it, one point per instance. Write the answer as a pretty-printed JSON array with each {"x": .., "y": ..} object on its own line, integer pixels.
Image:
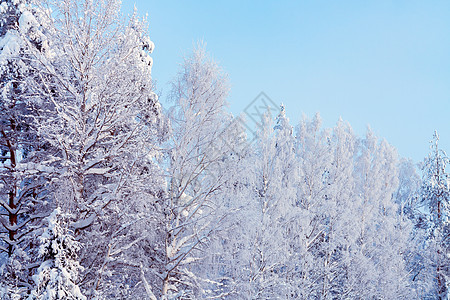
[{"x": 380, "y": 63}]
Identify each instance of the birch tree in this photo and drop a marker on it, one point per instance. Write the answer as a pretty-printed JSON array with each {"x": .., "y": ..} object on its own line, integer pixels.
[
  {"x": 273, "y": 168},
  {"x": 314, "y": 159},
  {"x": 382, "y": 237},
  {"x": 198, "y": 119}
]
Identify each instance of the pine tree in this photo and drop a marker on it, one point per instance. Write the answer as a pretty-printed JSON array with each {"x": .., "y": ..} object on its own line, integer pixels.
[
  {"x": 411, "y": 207},
  {"x": 18, "y": 139},
  {"x": 435, "y": 195},
  {"x": 57, "y": 276},
  {"x": 23, "y": 196}
]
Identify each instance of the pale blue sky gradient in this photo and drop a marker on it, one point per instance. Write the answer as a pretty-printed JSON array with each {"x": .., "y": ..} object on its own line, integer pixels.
[{"x": 383, "y": 63}]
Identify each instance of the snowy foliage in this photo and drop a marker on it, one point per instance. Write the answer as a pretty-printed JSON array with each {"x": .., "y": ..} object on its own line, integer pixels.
[
  {"x": 198, "y": 119},
  {"x": 57, "y": 276},
  {"x": 105, "y": 195},
  {"x": 23, "y": 198},
  {"x": 435, "y": 197}
]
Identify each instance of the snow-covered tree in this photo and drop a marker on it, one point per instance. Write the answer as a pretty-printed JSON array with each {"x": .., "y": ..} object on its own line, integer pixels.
[
  {"x": 103, "y": 122},
  {"x": 406, "y": 194},
  {"x": 418, "y": 255},
  {"x": 383, "y": 236},
  {"x": 22, "y": 194},
  {"x": 20, "y": 37},
  {"x": 252, "y": 255},
  {"x": 101, "y": 197},
  {"x": 339, "y": 206},
  {"x": 313, "y": 154},
  {"x": 273, "y": 169},
  {"x": 57, "y": 276},
  {"x": 435, "y": 196},
  {"x": 345, "y": 192},
  {"x": 192, "y": 213},
  {"x": 223, "y": 259}
]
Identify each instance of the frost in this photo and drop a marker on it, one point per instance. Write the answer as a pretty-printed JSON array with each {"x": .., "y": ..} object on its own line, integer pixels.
[
  {"x": 26, "y": 21},
  {"x": 10, "y": 47},
  {"x": 185, "y": 199},
  {"x": 98, "y": 171},
  {"x": 83, "y": 223},
  {"x": 3, "y": 7},
  {"x": 111, "y": 196}
]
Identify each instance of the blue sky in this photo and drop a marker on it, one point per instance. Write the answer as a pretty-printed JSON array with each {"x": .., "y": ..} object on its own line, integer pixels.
[{"x": 380, "y": 63}]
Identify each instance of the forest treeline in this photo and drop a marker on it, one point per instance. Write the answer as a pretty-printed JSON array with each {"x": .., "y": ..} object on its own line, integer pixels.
[{"x": 106, "y": 195}]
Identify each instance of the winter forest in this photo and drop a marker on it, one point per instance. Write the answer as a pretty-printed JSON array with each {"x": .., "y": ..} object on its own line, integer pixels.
[{"x": 106, "y": 194}]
